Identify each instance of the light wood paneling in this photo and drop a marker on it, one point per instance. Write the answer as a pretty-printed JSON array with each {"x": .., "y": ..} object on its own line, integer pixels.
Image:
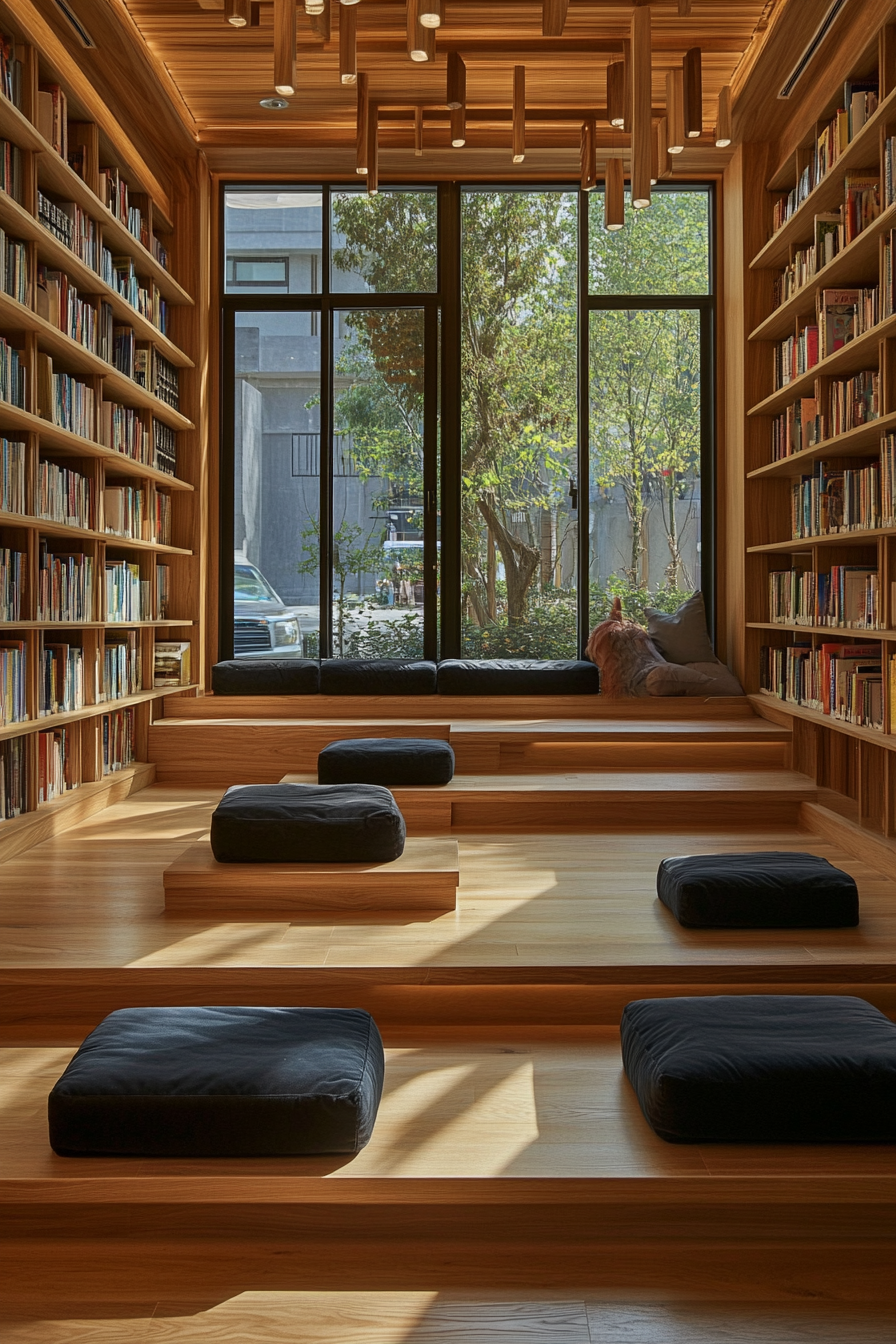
[{"x": 425, "y": 877}]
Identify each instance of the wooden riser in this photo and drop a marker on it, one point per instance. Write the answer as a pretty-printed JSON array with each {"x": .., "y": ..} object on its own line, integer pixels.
[
  {"x": 425, "y": 878},
  {"x": 446, "y": 707},
  {"x": 597, "y": 802},
  {"x": 507, "y": 1152},
  {"x": 20, "y": 833},
  {"x": 220, "y": 752}
]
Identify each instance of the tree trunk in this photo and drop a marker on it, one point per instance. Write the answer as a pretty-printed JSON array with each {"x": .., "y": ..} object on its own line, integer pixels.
[
  {"x": 673, "y": 569},
  {"x": 480, "y": 611},
  {"x": 520, "y": 561},
  {"x": 490, "y": 576}
]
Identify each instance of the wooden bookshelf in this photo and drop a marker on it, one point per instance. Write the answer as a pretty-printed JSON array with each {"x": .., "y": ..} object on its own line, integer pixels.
[
  {"x": 856, "y": 758},
  {"x": 94, "y": 774}
]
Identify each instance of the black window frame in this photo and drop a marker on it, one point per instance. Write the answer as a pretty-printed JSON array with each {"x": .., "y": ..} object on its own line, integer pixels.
[
  {"x": 231, "y": 281},
  {"x": 442, "y": 393}
]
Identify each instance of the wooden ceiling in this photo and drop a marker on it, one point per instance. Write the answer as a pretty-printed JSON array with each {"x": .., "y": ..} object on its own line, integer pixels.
[{"x": 216, "y": 75}]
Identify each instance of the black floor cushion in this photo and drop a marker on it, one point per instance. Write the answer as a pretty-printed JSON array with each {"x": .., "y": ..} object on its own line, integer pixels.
[
  {"x": 497, "y": 676},
  {"x": 221, "y": 1082},
  {"x": 763, "y": 1068},
  {"x": 768, "y": 890},
  {"x": 307, "y": 823},
  {"x": 266, "y": 676},
  {"x": 386, "y": 760},
  {"x": 377, "y": 676}
]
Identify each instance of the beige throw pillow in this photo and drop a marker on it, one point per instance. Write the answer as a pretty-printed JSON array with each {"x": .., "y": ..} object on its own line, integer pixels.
[
  {"x": 673, "y": 679},
  {"x": 681, "y": 636}
]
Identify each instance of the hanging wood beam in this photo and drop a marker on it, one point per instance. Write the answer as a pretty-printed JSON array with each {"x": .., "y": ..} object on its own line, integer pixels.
[
  {"x": 641, "y": 106},
  {"x": 285, "y": 46},
  {"x": 675, "y": 111},
  {"x": 314, "y": 7},
  {"x": 663, "y": 166},
  {"x": 431, "y": 13},
  {"x": 588, "y": 156},
  {"x": 627, "y": 93},
  {"x": 373, "y": 151},
  {"x": 238, "y": 13},
  {"x": 255, "y": 14},
  {"x": 418, "y": 131},
  {"x": 421, "y": 41},
  {"x": 723, "y": 118},
  {"x": 684, "y": 8},
  {"x": 348, "y": 44},
  {"x": 692, "y": 76},
  {"x": 519, "y": 113},
  {"x": 616, "y": 94},
  {"x": 361, "y": 122},
  {"x": 321, "y": 22},
  {"x": 654, "y": 156},
  {"x": 456, "y": 93},
  {"x": 553, "y": 17},
  {"x": 614, "y": 195}
]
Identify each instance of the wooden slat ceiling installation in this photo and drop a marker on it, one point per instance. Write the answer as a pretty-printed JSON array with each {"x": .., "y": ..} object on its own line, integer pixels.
[{"x": 220, "y": 73}]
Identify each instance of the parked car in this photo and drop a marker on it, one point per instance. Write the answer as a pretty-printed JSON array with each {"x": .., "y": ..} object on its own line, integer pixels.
[{"x": 263, "y": 625}]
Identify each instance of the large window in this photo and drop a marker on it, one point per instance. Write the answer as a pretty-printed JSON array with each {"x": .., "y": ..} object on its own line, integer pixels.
[{"x": 463, "y": 419}]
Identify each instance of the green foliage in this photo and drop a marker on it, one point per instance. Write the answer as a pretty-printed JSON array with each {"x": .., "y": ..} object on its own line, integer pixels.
[
  {"x": 399, "y": 638},
  {"x": 390, "y": 239}
]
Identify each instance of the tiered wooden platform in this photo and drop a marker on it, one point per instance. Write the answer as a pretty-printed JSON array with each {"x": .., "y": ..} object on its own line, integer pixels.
[{"x": 510, "y": 1150}]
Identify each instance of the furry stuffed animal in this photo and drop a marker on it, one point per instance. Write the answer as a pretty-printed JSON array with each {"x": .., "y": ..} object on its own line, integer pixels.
[{"x": 625, "y": 654}]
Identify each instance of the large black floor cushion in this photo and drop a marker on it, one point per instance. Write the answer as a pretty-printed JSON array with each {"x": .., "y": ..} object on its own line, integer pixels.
[
  {"x": 499, "y": 676},
  {"x": 221, "y": 1082},
  {"x": 377, "y": 676},
  {"x": 266, "y": 676},
  {"x": 769, "y": 1068},
  {"x": 307, "y": 823},
  {"x": 386, "y": 760},
  {"x": 769, "y": 890}
]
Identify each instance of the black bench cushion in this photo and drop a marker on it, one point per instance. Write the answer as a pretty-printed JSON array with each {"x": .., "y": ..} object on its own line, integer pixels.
[
  {"x": 221, "y": 1082},
  {"x": 386, "y": 760},
  {"x": 769, "y": 1068},
  {"x": 307, "y": 823},
  {"x": 767, "y": 890},
  {"x": 462, "y": 676},
  {"x": 379, "y": 676},
  {"x": 266, "y": 676}
]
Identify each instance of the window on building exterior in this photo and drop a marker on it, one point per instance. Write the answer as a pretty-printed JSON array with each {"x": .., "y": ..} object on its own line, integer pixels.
[{"x": 476, "y": 471}]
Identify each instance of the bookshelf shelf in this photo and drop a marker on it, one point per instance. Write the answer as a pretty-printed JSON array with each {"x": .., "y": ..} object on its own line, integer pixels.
[
  {"x": 860, "y": 537},
  {"x": 851, "y": 358},
  {"x": 862, "y": 152},
  {"x": 839, "y": 632},
  {"x": 858, "y": 442},
  {"x": 83, "y": 758},
  {"x": 857, "y": 263},
  {"x": 765, "y": 700}
]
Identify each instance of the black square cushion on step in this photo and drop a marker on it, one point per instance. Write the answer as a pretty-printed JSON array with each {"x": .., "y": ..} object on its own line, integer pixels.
[
  {"x": 307, "y": 823},
  {"x": 220, "y": 1082},
  {"x": 386, "y": 760},
  {"x": 376, "y": 676},
  {"x": 506, "y": 676},
  {"x": 763, "y": 1068},
  {"x": 769, "y": 890},
  {"x": 266, "y": 676}
]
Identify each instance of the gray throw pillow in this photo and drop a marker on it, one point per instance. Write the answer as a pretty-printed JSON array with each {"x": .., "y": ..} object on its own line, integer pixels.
[
  {"x": 722, "y": 679},
  {"x": 681, "y": 637},
  {"x": 673, "y": 679}
]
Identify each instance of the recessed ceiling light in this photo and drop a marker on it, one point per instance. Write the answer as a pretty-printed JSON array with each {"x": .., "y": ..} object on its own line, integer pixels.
[{"x": 275, "y": 103}]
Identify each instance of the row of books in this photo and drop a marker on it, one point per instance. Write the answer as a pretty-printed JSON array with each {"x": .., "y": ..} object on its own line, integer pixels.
[
  {"x": 847, "y": 597},
  {"x": 132, "y": 511},
  {"x": 845, "y": 499},
  {"x": 842, "y": 680},
  {"x": 851, "y": 402},
  {"x": 63, "y": 678},
  {"x": 13, "y": 789},
  {"x": 12, "y": 476},
  {"x": 13, "y": 682},
  {"x": 72, "y": 226},
  {"x": 13, "y": 567},
  {"x": 841, "y": 316},
  {"x": 65, "y": 586},
  {"x": 828, "y": 238},
  {"x": 157, "y": 374},
  {"x": 87, "y": 323},
  {"x": 14, "y": 268},
  {"x": 11, "y": 179},
  {"x": 65, "y": 496},
  {"x": 56, "y": 773},
  {"x": 122, "y": 665},
  {"x": 64, "y": 400},
  {"x": 12, "y": 375},
  {"x": 860, "y": 100},
  {"x": 52, "y": 117},
  {"x": 128, "y": 594},
  {"x": 120, "y": 274},
  {"x": 10, "y": 71},
  {"x": 118, "y": 738}
]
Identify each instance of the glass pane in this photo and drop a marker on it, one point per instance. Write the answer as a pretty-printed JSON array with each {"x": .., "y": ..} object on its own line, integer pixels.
[
  {"x": 518, "y": 406},
  {"x": 661, "y": 250},
  {"x": 378, "y": 485},
  {"x": 272, "y": 242},
  {"x": 384, "y": 244},
  {"x": 644, "y": 487},
  {"x": 276, "y": 486}
]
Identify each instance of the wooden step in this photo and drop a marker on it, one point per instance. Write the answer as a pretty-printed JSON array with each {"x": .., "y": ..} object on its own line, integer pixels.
[
  {"x": 601, "y": 800},
  {"x": 425, "y": 877},
  {"x": 496, "y": 1156},
  {"x": 205, "y": 752}
]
